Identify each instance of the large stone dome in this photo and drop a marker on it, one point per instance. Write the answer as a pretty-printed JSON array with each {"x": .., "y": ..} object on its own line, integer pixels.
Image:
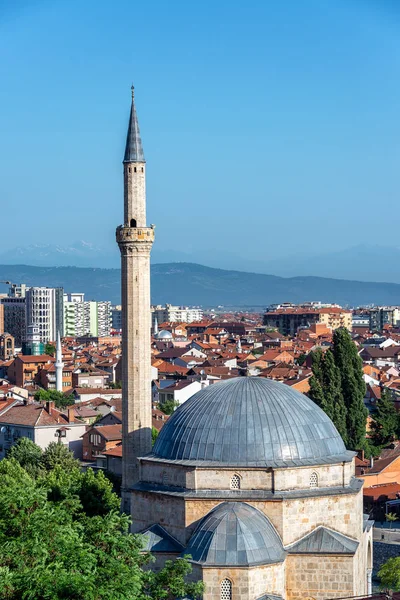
[
  {"x": 250, "y": 421},
  {"x": 235, "y": 534}
]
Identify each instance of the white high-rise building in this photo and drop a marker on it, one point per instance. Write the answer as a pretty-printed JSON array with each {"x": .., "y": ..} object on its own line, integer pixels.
[{"x": 45, "y": 308}]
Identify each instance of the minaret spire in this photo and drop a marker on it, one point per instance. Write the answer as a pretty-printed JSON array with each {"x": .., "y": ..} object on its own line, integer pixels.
[
  {"x": 135, "y": 240},
  {"x": 133, "y": 148},
  {"x": 59, "y": 364}
]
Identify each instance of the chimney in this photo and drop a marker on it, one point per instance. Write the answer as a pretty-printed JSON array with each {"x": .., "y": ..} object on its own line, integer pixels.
[
  {"x": 371, "y": 462},
  {"x": 49, "y": 406},
  {"x": 71, "y": 415}
]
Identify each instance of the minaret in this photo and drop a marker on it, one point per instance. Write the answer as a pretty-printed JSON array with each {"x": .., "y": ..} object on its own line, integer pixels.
[
  {"x": 155, "y": 328},
  {"x": 59, "y": 364},
  {"x": 135, "y": 240}
]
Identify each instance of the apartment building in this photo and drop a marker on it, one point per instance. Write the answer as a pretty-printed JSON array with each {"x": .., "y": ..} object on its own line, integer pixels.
[
  {"x": 83, "y": 318},
  {"x": 45, "y": 309},
  {"x": 291, "y": 318},
  {"x": 175, "y": 314},
  {"x": 14, "y": 318},
  {"x": 384, "y": 315}
]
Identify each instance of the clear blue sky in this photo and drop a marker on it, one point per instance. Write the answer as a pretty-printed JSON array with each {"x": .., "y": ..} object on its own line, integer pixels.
[{"x": 269, "y": 127}]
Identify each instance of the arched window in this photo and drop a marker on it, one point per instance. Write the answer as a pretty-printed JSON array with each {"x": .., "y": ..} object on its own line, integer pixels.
[
  {"x": 133, "y": 222},
  {"x": 235, "y": 482},
  {"x": 165, "y": 478},
  {"x": 314, "y": 480},
  {"x": 226, "y": 589}
]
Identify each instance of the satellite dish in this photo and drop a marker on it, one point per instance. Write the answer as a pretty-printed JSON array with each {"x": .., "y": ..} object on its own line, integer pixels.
[{"x": 3, "y": 429}]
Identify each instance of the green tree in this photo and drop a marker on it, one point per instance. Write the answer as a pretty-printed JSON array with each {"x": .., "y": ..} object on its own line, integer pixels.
[
  {"x": 301, "y": 359},
  {"x": 49, "y": 349},
  {"x": 349, "y": 364},
  {"x": 57, "y": 454},
  {"x": 316, "y": 392},
  {"x": 52, "y": 550},
  {"x": 326, "y": 390},
  {"x": 154, "y": 435},
  {"x": 385, "y": 420},
  {"x": 27, "y": 454},
  {"x": 334, "y": 402},
  {"x": 391, "y": 518},
  {"x": 168, "y": 406},
  {"x": 60, "y": 400},
  {"x": 389, "y": 574},
  {"x": 115, "y": 386}
]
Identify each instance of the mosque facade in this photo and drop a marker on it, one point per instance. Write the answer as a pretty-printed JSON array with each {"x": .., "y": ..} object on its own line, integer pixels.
[{"x": 249, "y": 477}]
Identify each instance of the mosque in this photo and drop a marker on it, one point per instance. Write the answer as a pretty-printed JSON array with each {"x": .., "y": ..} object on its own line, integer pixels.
[{"x": 249, "y": 477}]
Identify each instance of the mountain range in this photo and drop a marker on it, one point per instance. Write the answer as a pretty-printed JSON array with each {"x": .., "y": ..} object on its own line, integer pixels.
[
  {"x": 194, "y": 284},
  {"x": 364, "y": 262}
]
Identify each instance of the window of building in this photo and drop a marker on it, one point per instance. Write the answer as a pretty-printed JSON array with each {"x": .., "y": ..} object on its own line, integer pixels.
[
  {"x": 314, "y": 480},
  {"x": 235, "y": 482},
  {"x": 165, "y": 478},
  {"x": 95, "y": 439},
  {"x": 226, "y": 589}
]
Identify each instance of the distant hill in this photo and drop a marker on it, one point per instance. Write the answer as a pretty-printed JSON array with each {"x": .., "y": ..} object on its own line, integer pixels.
[
  {"x": 193, "y": 284},
  {"x": 364, "y": 262}
]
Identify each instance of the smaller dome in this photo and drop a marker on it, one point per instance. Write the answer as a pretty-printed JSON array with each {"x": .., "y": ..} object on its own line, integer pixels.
[
  {"x": 235, "y": 534},
  {"x": 164, "y": 335}
]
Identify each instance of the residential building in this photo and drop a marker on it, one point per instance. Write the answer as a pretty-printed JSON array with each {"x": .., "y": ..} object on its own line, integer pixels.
[
  {"x": 42, "y": 424},
  {"x": 45, "y": 308},
  {"x": 289, "y": 320},
  {"x": 116, "y": 318},
  {"x": 180, "y": 391},
  {"x": 6, "y": 346},
  {"x": 98, "y": 439},
  {"x": 98, "y": 318},
  {"x": 175, "y": 314},
  {"x": 15, "y": 318},
  {"x": 88, "y": 376},
  {"x": 73, "y": 314},
  {"x": 82, "y": 318},
  {"x": 24, "y": 370},
  {"x": 384, "y": 315}
]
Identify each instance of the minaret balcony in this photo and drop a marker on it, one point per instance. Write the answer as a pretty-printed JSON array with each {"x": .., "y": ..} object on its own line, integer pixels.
[{"x": 126, "y": 234}]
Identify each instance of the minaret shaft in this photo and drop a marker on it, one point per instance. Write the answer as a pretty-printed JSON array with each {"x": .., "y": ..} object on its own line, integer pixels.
[
  {"x": 135, "y": 241},
  {"x": 135, "y": 194}
]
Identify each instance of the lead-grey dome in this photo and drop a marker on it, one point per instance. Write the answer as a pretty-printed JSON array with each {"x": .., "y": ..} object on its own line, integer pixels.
[
  {"x": 235, "y": 534},
  {"x": 250, "y": 421},
  {"x": 164, "y": 335}
]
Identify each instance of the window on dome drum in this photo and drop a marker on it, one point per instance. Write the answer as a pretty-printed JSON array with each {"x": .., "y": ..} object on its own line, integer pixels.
[
  {"x": 314, "y": 480},
  {"x": 165, "y": 478},
  {"x": 226, "y": 589},
  {"x": 235, "y": 482}
]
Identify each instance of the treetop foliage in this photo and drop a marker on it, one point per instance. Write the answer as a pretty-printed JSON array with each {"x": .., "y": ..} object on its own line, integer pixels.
[{"x": 62, "y": 537}]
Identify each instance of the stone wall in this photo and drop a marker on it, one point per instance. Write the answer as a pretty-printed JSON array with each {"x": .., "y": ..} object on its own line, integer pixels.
[
  {"x": 319, "y": 577},
  {"x": 167, "y": 474},
  {"x": 342, "y": 513},
  {"x": 299, "y": 478},
  {"x": 292, "y": 518},
  {"x": 337, "y": 475},
  {"x": 168, "y": 511},
  {"x": 220, "y": 479}
]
